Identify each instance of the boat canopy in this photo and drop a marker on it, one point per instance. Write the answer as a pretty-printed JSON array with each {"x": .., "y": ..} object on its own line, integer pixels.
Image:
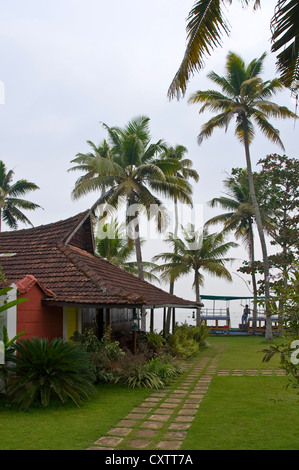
[{"x": 225, "y": 297}]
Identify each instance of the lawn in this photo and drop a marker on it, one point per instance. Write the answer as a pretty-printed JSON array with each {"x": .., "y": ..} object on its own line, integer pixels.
[{"x": 246, "y": 412}]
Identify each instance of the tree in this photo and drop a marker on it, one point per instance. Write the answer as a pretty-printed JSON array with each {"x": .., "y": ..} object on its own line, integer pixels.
[
  {"x": 238, "y": 218},
  {"x": 180, "y": 190},
  {"x": 207, "y": 23},
  {"x": 11, "y": 205},
  {"x": 195, "y": 251},
  {"x": 112, "y": 244},
  {"x": 131, "y": 175},
  {"x": 246, "y": 98}
]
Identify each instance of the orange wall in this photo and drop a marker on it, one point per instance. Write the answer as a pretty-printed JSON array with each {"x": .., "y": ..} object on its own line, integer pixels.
[{"x": 37, "y": 319}]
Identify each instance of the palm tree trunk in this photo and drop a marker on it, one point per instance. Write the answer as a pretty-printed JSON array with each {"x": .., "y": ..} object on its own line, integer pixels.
[
  {"x": 197, "y": 297},
  {"x": 254, "y": 286},
  {"x": 171, "y": 285},
  {"x": 268, "y": 335}
]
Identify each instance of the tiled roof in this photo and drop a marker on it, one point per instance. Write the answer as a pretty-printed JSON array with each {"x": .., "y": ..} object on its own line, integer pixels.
[{"x": 60, "y": 257}]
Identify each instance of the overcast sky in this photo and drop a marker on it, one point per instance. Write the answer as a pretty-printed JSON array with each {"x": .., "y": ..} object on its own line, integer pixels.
[{"x": 69, "y": 65}]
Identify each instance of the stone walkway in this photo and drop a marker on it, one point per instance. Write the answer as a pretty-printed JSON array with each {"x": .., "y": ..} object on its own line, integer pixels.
[
  {"x": 166, "y": 414},
  {"x": 162, "y": 420}
]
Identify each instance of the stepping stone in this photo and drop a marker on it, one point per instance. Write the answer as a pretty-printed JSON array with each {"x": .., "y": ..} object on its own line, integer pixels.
[
  {"x": 191, "y": 405},
  {"x": 109, "y": 441},
  {"x": 139, "y": 443},
  {"x": 159, "y": 418},
  {"x": 141, "y": 410},
  {"x": 171, "y": 445},
  {"x": 194, "y": 400},
  {"x": 100, "y": 448},
  {"x": 126, "y": 423},
  {"x": 164, "y": 411},
  {"x": 173, "y": 400},
  {"x": 146, "y": 433},
  {"x": 175, "y": 435},
  {"x": 184, "y": 418},
  {"x": 168, "y": 405},
  {"x": 158, "y": 394},
  {"x": 152, "y": 424},
  {"x": 136, "y": 416},
  {"x": 150, "y": 403},
  {"x": 187, "y": 412},
  {"x": 120, "y": 431},
  {"x": 194, "y": 395},
  {"x": 179, "y": 426},
  {"x": 152, "y": 399}
]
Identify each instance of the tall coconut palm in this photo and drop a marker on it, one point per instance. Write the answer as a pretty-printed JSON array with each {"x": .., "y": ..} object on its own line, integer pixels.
[
  {"x": 208, "y": 22},
  {"x": 180, "y": 190},
  {"x": 239, "y": 218},
  {"x": 132, "y": 176},
  {"x": 246, "y": 98},
  {"x": 11, "y": 205},
  {"x": 195, "y": 251},
  {"x": 112, "y": 244}
]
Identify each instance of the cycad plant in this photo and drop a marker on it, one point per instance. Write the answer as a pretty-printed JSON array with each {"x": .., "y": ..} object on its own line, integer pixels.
[{"x": 44, "y": 370}]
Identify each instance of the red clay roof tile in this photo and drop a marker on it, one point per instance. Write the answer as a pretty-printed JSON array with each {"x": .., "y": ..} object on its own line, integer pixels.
[{"x": 60, "y": 257}]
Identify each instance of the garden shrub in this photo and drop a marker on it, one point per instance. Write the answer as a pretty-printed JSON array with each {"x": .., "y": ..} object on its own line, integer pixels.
[
  {"x": 155, "y": 342},
  {"x": 101, "y": 352},
  {"x": 186, "y": 340},
  {"x": 136, "y": 370},
  {"x": 44, "y": 370}
]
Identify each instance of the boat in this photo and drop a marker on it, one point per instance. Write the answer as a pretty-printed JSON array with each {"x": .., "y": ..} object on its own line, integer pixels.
[{"x": 218, "y": 320}]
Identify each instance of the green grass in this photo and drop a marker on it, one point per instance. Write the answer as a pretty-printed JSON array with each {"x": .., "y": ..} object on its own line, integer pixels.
[
  {"x": 244, "y": 412},
  {"x": 67, "y": 427}
]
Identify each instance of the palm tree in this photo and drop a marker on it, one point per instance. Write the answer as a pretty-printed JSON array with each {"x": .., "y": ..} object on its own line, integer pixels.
[
  {"x": 130, "y": 175},
  {"x": 112, "y": 244},
  {"x": 239, "y": 218},
  {"x": 180, "y": 190},
  {"x": 244, "y": 97},
  {"x": 206, "y": 25},
  {"x": 195, "y": 251},
  {"x": 11, "y": 205}
]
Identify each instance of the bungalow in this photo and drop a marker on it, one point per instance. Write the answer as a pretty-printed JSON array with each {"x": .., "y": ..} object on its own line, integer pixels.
[{"x": 69, "y": 288}]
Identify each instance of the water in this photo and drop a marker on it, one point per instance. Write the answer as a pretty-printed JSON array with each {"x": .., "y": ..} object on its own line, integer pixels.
[{"x": 186, "y": 316}]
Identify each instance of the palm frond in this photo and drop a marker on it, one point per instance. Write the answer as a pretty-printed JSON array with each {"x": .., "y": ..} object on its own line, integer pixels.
[
  {"x": 206, "y": 25},
  {"x": 285, "y": 37}
]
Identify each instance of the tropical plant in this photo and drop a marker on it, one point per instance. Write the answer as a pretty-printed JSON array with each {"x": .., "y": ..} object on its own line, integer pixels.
[
  {"x": 101, "y": 352},
  {"x": 165, "y": 368},
  {"x": 246, "y": 98},
  {"x": 44, "y": 370},
  {"x": 112, "y": 244},
  {"x": 180, "y": 189},
  {"x": 196, "y": 251},
  {"x": 8, "y": 352},
  {"x": 206, "y": 25},
  {"x": 130, "y": 176},
  {"x": 239, "y": 218},
  {"x": 11, "y": 205}
]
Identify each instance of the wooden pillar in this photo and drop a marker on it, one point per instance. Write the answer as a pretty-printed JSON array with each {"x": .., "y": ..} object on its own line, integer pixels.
[
  {"x": 173, "y": 320},
  {"x": 108, "y": 320},
  {"x": 134, "y": 334},
  {"x": 152, "y": 321},
  {"x": 164, "y": 322}
]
